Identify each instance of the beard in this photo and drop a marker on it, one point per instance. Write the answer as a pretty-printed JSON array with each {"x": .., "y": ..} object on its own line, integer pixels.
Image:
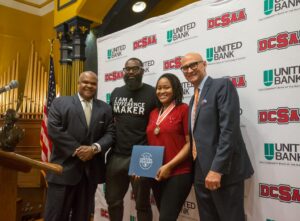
[{"x": 133, "y": 83}]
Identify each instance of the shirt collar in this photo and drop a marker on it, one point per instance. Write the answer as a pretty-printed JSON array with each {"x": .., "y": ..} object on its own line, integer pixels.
[
  {"x": 82, "y": 99},
  {"x": 202, "y": 83}
]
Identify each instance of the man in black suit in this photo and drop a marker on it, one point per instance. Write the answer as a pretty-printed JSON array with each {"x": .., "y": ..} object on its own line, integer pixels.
[
  {"x": 82, "y": 130},
  {"x": 221, "y": 159}
]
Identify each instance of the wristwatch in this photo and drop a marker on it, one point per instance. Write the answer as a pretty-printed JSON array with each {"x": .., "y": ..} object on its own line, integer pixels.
[{"x": 94, "y": 148}]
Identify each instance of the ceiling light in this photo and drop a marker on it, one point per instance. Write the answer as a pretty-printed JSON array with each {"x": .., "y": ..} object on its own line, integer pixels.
[{"x": 139, "y": 7}]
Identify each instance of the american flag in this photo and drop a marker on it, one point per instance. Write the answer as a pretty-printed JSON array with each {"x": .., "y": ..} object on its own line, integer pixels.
[{"x": 46, "y": 143}]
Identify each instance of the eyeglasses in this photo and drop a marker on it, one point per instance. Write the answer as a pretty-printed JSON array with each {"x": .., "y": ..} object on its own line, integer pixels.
[
  {"x": 134, "y": 69},
  {"x": 192, "y": 66}
]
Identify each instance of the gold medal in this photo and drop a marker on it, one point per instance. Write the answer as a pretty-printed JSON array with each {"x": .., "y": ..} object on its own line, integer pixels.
[
  {"x": 156, "y": 130},
  {"x": 161, "y": 116}
]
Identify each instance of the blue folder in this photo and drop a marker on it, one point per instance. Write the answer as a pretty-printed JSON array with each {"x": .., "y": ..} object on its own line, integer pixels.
[{"x": 146, "y": 160}]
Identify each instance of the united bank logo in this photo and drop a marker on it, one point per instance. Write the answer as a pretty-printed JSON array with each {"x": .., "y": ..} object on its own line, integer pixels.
[
  {"x": 268, "y": 77},
  {"x": 147, "y": 66},
  {"x": 116, "y": 52},
  {"x": 279, "y": 41},
  {"x": 226, "y": 19},
  {"x": 113, "y": 76},
  {"x": 283, "y": 77},
  {"x": 107, "y": 96},
  {"x": 145, "y": 42},
  {"x": 225, "y": 52},
  {"x": 188, "y": 89},
  {"x": 171, "y": 64},
  {"x": 279, "y": 6},
  {"x": 282, "y": 192},
  {"x": 188, "y": 208},
  {"x": 281, "y": 115},
  {"x": 132, "y": 218},
  {"x": 181, "y": 33},
  {"x": 269, "y": 151},
  {"x": 268, "y": 7},
  {"x": 282, "y": 154},
  {"x": 238, "y": 81}
]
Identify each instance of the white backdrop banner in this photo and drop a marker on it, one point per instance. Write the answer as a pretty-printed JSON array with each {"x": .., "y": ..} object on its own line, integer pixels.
[{"x": 256, "y": 45}]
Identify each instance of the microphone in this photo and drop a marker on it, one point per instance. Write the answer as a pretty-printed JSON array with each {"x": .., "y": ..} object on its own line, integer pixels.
[{"x": 13, "y": 84}]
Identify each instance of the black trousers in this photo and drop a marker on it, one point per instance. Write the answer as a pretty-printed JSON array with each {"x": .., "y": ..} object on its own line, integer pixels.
[
  {"x": 171, "y": 194},
  {"x": 70, "y": 203},
  {"x": 117, "y": 184},
  {"x": 223, "y": 204}
]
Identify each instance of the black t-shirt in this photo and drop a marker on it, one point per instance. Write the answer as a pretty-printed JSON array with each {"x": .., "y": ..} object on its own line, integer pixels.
[{"x": 131, "y": 113}]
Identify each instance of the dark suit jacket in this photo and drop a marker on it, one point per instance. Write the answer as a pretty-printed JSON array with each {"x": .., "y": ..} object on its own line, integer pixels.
[
  {"x": 68, "y": 130},
  {"x": 219, "y": 142}
]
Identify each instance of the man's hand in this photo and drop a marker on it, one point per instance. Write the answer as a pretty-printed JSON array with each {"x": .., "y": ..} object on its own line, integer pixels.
[
  {"x": 213, "y": 180},
  {"x": 84, "y": 153}
]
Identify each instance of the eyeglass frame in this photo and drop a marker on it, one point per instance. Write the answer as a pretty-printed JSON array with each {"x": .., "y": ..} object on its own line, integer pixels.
[
  {"x": 140, "y": 68},
  {"x": 194, "y": 64}
]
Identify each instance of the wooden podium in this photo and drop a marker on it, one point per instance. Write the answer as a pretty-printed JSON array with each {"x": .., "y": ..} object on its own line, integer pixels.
[{"x": 10, "y": 164}]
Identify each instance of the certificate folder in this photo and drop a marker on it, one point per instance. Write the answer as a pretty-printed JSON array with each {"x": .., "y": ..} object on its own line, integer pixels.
[{"x": 146, "y": 160}]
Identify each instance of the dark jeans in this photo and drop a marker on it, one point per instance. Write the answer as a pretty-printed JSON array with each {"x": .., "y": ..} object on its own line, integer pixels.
[
  {"x": 117, "y": 183},
  {"x": 171, "y": 194}
]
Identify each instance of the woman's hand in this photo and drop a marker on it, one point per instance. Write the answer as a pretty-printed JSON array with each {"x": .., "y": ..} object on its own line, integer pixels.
[{"x": 163, "y": 173}]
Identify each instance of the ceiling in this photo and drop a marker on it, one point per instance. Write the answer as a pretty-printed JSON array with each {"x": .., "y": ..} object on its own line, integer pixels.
[
  {"x": 36, "y": 7},
  {"x": 120, "y": 16}
]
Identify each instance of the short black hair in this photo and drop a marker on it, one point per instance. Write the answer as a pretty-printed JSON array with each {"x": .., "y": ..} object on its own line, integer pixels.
[
  {"x": 176, "y": 87},
  {"x": 135, "y": 59}
]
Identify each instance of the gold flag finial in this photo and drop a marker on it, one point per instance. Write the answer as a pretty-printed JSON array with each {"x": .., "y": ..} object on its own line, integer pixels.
[{"x": 51, "y": 46}]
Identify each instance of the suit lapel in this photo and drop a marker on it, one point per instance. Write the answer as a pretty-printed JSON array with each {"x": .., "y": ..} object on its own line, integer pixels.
[
  {"x": 79, "y": 110},
  {"x": 202, "y": 96},
  {"x": 96, "y": 106},
  {"x": 190, "y": 112}
]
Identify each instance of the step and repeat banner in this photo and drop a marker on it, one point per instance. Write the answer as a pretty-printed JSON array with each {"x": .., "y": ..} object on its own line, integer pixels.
[{"x": 256, "y": 45}]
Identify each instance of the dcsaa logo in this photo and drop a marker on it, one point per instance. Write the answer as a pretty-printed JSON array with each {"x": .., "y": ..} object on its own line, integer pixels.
[{"x": 145, "y": 161}]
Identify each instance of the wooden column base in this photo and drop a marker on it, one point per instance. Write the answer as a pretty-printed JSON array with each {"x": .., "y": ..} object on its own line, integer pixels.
[{"x": 8, "y": 194}]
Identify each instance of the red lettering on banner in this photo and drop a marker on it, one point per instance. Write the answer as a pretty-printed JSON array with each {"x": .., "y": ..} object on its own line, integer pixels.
[
  {"x": 113, "y": 76},
  {"x": 174, "y": 63},
  {"x": 144, "y": 42},
  {"x": 279, "y": 116},
  {"x": 296, "y": 195},
  {"x": 104, "y": 213},
  {"x": 227, "y": 19},
  {"x": 238, "y": 81},
  {"x": 280, "y": 41},
  {"x": 283, "y": 193},
  {"x": 283, "y": 115}
]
